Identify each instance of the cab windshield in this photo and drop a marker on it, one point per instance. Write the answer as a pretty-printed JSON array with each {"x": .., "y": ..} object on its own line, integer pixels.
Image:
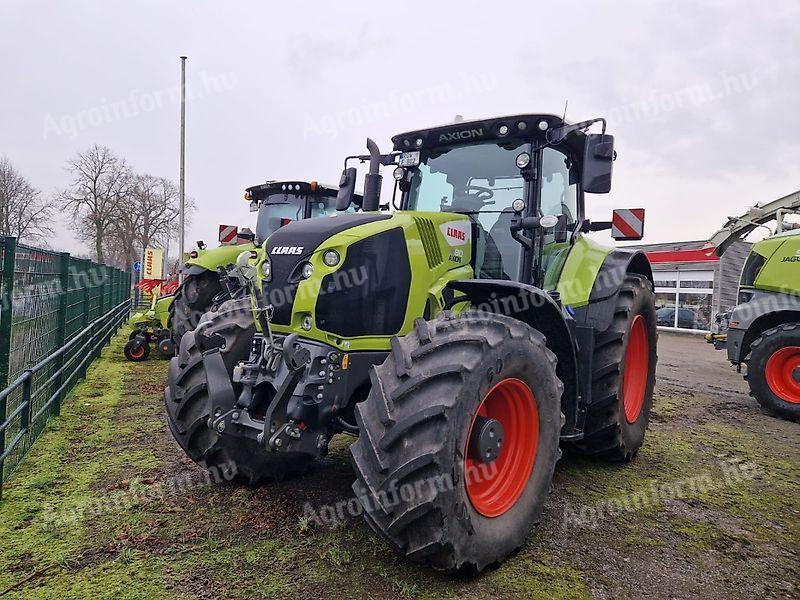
[
  {"x": 479, "y": 180},
  {"x": 276, "y": 210}
]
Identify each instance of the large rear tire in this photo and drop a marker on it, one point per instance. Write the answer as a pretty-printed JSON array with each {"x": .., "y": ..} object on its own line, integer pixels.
[
  {"x": 623, "y": 376},
  {"x": 773, "y": 370},
  {"x": 186, "y": 401},
  {"x": 420, "y": 482},
  {"x": 192, "y": 300}
]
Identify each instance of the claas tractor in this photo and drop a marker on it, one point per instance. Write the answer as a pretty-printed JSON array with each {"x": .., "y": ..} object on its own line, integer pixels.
[
  {"x": 464, "y": 338},
  {"x": 763, "y": 330},
  {"x": 205, "y": 272},
  {"x": 151, "y": 327}
]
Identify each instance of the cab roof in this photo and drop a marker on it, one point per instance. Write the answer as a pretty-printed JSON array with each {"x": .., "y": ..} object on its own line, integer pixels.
[
  {"x": 291, "y": 187},
  {"x": 522, "y": 126}
]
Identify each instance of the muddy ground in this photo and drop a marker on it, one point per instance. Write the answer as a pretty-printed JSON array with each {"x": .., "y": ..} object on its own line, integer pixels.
[{"x": 107, "y": 506}]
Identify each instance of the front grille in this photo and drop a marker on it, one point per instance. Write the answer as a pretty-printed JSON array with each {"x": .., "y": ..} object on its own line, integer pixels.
[
  {"x": 279, "y": 292},
  {"x": 427, "y": 233},
  {"x": 368, "y": 294}
]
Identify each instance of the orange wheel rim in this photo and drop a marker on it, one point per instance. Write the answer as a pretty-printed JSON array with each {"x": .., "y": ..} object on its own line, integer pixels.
[
  {"x": 637, "y": 367},
  {"x": 495, "y": 487},
  {"x": 783, "y": 374},
  {"x": 137, "y": 352}
]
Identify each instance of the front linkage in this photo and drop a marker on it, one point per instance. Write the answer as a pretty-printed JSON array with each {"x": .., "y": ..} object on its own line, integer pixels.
[{"x": 293, "y": 394}]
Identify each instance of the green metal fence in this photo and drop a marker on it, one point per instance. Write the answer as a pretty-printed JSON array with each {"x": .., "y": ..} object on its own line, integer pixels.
[{"x": 56, "y": 314}]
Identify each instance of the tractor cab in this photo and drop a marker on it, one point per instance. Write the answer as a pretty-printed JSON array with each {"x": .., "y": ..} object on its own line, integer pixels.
[
  {"x": 279, "y": 203},
  {"x": 521, "y": 182}
]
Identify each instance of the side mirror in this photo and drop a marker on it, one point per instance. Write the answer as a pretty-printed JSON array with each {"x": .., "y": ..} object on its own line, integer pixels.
[
  {"x": 347, "y": 189},
  {"x": 627, "y": 224},
  {"x": 598, "y": 161}
]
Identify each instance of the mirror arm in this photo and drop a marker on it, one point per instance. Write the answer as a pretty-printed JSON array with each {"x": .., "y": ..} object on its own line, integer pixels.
[
  {"x": 518, "y": 223},
  {"x": 589, "y": 226},
  {"x": 525, "y": 241},
  {"x": 557, "y": 136}
]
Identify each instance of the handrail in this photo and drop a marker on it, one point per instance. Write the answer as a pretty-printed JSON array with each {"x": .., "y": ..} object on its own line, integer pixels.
[
  {"x": 29, "y": 372},
  {"x": 86, "y": 343}
]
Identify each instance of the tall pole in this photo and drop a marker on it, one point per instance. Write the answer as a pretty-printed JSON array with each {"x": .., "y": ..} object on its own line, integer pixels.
[{"x": 181, "y": 193}]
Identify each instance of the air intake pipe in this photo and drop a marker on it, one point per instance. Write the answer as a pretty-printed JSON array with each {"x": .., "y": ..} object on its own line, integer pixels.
[{"x": 373, "y": 179}]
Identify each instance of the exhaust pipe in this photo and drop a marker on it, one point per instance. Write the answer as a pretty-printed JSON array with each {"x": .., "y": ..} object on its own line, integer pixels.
[{"x": 373, "y": 179}]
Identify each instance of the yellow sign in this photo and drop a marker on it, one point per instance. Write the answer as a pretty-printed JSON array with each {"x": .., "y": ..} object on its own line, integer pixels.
[{"x": 153, "y": 263}]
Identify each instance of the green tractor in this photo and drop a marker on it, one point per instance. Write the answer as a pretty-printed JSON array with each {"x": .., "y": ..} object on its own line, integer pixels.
[
  {"x": 463, "y": 339},
  {"x": 151, "y": 327},
  {"x": 763, "y": 331},
  {"x": 277, "y": 203}
]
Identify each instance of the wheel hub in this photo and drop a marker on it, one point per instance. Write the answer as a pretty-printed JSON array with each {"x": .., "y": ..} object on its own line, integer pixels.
[{"x": 486, "y": 440}]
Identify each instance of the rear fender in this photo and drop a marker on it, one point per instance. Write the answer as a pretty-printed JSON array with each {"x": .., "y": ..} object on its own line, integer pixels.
[
  {"x": 599, "y": 312},
  {"x": 536, "y": 308}
]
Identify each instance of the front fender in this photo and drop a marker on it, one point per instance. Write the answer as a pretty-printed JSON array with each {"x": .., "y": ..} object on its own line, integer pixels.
[
  {"x": 161, "y": 310},
  {"x": 216, "y": 257},
  {"x": 750, "y": 319},
  {"x": 536, "y": 308}
]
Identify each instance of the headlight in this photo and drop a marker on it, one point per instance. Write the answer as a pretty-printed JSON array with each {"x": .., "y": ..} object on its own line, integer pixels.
[
  {"x": 523, "y": 160},
  {"x": 266, "y": 268},
  {"x": 306, "y": 323},
  {"x": 307, "y": 270},
  {"x": 331, "y": 258},
  {"x": 518, "y": 205}
]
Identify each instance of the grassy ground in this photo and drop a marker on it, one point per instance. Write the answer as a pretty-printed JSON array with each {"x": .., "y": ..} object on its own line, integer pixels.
[{"x": 107, "y": 506}]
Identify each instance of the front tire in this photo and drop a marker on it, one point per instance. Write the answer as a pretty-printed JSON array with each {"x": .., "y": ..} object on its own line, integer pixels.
[
  {"x": 187, "y": 403},
  {"x": 773, "y": 370},
  {"x": 420, "y": 482},
  {"x": 623, "y": 376},
  {"x": 137, "y": 349},
  {"x": 192, "y": 300}
]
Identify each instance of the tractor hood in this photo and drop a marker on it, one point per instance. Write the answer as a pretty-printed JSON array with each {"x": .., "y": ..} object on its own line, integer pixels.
[
  {"x": 300, "y": 238},
  {"x": 364, "y": 275},
  {"x": 291, "y": 246}
]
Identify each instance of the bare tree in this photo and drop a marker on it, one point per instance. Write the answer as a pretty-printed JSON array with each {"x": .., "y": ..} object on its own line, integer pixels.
[
  {"x": 146, "y": 218},
  {"x": 158, "y": 206},
  {"x": 23, "y": 212},
  {"x": 100, "y": 184}
]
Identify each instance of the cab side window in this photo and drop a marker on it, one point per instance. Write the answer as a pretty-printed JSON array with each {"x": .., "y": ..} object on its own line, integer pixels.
[{"x": 559, "y": 196}]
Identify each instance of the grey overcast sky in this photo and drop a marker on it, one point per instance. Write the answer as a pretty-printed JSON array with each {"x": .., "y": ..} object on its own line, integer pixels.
[{"x": 702, "y": 96}]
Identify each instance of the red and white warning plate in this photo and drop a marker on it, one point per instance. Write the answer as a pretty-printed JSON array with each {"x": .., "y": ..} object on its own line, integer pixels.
[
  {"x": 628, "y": 224},
  {"x": 228, "y": 234}
]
